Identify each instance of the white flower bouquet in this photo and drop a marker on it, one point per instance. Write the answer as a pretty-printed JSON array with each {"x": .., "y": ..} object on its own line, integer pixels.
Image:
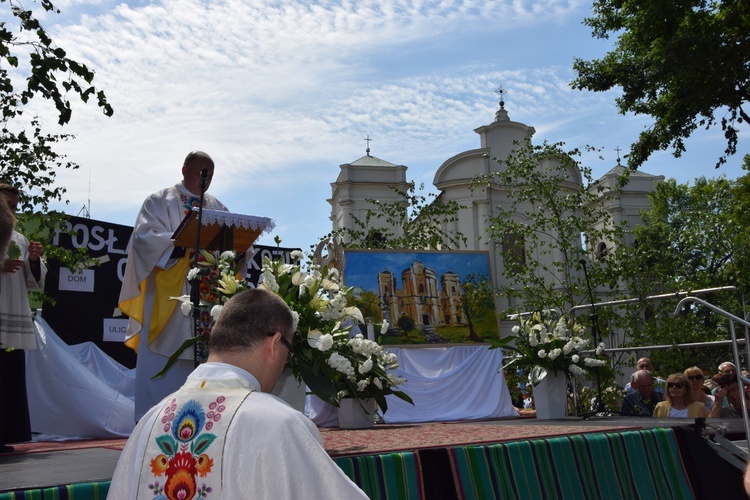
[
  {"x": 546, "y": 344},
  {"x": 332, "y": 363}
]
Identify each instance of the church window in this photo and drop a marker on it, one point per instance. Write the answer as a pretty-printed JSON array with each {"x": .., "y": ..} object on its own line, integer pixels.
[
  {"x": 601, "y": 250},
  {"x": 514, "y": 251}
]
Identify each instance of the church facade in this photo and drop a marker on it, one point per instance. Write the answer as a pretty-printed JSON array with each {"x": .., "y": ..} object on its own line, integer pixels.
[
  {"x": 425, "y": 298},
  {"x": 370, "y": 177}
]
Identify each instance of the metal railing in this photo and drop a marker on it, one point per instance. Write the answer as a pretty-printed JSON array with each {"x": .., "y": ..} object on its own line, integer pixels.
[{"x": 735, "y": 349}]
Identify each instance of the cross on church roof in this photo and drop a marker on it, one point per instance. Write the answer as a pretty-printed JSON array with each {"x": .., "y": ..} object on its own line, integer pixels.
[
  {"x": 367, "y": 139},
  {"x": 618, "y": 154},
  {"x": 501, "y": 92}
]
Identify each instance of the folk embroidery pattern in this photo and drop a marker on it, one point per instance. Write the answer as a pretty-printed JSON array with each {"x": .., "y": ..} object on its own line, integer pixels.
[
  {"x": 184, "y": 449},
  {"x": 189, "y": 203}
]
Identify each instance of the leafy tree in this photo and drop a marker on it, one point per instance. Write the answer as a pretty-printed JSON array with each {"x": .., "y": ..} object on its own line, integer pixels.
[
  {"x": 419, "y": 219},
  {"x": 477, "y": 295},
  {"x": 405, "y": 324},
  {"x": 368, "y": 302},
  {"x": 27, "y": 156},
  {"x": 685, "y": 63},
  {"x": 547, "y": 213},
  {"x": 739, "y": 210},
  {"x": 688, "y": 241}
]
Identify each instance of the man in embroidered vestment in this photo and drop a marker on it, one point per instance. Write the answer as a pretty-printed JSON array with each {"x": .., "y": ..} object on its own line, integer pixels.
[
  {"x": 155, "y": 271},
  {"x": 222, "y": 435}
]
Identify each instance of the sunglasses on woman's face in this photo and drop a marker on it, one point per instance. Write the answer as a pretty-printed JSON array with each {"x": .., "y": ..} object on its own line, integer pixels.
[
  {"x": 695, "y": 377},
  {"x": 678, "y": 385}
]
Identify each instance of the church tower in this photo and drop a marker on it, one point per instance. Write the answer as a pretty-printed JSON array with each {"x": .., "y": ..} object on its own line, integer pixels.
[
  {"x": 366, "y": 178},
  {"x": 625, "y": 203}
]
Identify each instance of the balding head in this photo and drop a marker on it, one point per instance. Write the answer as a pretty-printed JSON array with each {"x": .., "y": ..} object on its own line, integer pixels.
[
  {"x": 194, "y": 163},
  {"x": 727, "y": 367},
  {"x": 644, "y": 364},
  {"x": 643, "y": 382}
]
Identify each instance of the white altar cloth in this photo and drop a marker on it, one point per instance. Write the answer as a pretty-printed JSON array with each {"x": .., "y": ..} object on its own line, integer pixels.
[{"x": 446, "y": 383}]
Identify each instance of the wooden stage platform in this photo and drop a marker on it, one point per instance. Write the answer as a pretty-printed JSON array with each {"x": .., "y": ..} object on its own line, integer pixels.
[{"x": 82, "y": 470}]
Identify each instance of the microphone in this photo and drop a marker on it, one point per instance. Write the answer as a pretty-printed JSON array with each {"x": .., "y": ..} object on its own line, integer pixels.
[{"x": 204, "y": 173}]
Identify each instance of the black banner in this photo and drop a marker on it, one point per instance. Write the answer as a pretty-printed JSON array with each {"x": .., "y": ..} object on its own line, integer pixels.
[{"x": 86, "y": 302}]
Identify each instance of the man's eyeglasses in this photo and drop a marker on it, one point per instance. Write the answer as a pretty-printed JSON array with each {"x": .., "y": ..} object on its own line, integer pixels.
[
  {"x": 284, "y": 341},
  {"x": 677, "y": 385},
  {"x": 695, "y": 377}
]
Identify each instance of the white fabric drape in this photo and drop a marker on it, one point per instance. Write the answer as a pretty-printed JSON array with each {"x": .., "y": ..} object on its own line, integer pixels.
[
  {"x": 446, "y": 383},
  {"x": 77, "y": 391}
]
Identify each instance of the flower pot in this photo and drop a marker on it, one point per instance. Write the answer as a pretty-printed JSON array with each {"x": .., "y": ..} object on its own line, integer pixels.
[
  {"x": 551, "y": 396},
  {"x": 356, "y": 413},
  {"x": 290, "y": 390}
]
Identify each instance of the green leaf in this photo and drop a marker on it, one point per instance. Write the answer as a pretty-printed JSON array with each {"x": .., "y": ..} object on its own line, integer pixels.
[
  {"x": 14, "y": 252},
  {"x": 202, "y": 442},
  {"x": 318, "y": 383},
  {"x": 175, "y": 356},
  {"x": 167, "y": 444}
]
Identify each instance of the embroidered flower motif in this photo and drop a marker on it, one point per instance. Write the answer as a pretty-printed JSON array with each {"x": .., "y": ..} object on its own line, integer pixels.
[
  {"x": 203, "y": 464},
  {"x": 183, "y": 447},
  {"x": 188, "y": 421},
  {"x": 159, "y": 465},
  {"x": 181, "y": 473}
]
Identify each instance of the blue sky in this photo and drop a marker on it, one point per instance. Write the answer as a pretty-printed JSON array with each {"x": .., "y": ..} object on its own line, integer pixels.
[{"x": 281, "y": 93}]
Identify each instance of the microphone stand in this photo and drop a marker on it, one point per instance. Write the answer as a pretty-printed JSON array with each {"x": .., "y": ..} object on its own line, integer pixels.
[
  {"x": 195, "y": 292},
  {"x": 600, "y": 407}
]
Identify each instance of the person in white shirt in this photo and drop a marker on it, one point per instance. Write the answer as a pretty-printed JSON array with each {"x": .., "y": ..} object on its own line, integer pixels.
[
  {"x": 21, "y": 270},
  {"x": 222, "y": 435}
]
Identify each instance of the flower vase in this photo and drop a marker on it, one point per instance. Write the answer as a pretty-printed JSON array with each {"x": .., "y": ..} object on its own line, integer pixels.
[
  {"x": 290, "y": 390},
  {"x": 356, "y": 413},
  {"x": 551, "y": 396}
]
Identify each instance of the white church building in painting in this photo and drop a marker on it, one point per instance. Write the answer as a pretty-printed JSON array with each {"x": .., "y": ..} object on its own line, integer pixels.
[{"x": 371, "y": 178}]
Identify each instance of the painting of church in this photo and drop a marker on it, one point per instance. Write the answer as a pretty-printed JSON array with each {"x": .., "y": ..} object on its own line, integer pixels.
[
  {"x": 426, "y": 288},
  {"x": 423, "y": 299}
]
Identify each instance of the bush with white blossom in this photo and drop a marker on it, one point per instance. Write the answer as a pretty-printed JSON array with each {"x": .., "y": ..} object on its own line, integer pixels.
[{"x": 544, "y": 343}]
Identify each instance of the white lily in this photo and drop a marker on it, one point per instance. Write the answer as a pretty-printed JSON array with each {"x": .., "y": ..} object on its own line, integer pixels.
[{"x": 355, "y": 314}]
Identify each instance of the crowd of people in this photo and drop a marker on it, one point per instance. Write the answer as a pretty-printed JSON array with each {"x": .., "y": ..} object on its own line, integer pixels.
[{"x": 689, "y": 394}]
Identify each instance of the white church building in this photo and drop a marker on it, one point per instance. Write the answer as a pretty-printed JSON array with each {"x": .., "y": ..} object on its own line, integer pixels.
[{"x": 371, "y": 178}]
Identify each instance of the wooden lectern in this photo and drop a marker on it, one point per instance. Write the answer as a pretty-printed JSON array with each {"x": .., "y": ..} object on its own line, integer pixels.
[{"x": 221, "y": 230}]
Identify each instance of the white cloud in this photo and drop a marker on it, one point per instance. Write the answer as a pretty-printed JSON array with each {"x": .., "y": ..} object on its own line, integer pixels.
[{"x": 281, "y": 93}]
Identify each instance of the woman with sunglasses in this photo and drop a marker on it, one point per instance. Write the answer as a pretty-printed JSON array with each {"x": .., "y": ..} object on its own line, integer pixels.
[
  {"x": 680, "y": 402},
  {"x": 695, "y": 375}
]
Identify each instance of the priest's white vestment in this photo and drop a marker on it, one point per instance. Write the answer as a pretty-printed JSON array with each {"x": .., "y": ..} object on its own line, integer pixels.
[
  {"x": 221, "y": 437},
  {"x": 16, "y": 324},
  {"x": 150, "y": 256}
]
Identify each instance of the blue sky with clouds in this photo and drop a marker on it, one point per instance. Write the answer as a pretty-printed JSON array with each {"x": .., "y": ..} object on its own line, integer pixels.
[{"x": 281, "y": 93}]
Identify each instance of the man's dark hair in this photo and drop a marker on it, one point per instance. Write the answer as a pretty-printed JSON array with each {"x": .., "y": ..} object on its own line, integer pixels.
[{"x": 248, "y": 318}]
